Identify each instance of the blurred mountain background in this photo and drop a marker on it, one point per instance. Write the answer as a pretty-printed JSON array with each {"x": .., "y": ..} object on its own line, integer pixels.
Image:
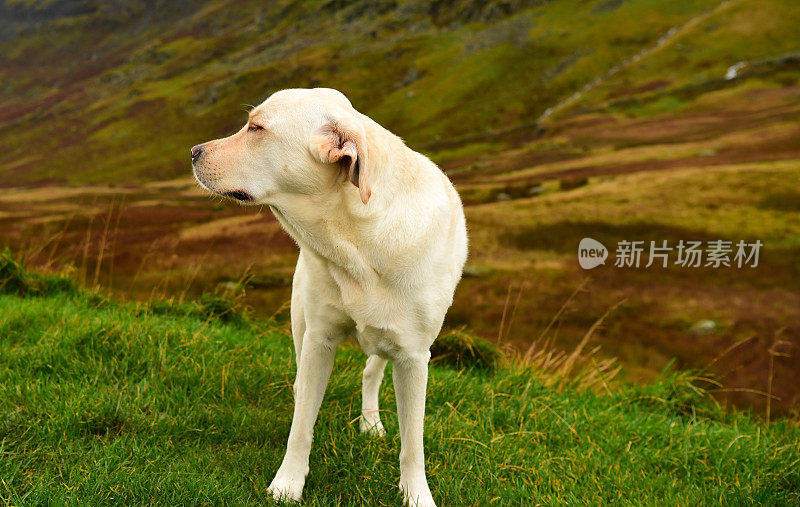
[{"x": 613, "y": 119}]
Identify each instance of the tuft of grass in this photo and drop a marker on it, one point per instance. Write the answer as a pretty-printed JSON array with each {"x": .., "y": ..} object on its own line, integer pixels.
[
  {"x": 15, "y": 279},
  {"x": 224, "y": 309},
  {"x": 460, "y": 349},
  {"x": 207, "y": 306}
]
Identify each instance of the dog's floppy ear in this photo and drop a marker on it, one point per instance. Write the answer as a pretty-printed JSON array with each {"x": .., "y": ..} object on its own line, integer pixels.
[{"x": 336, "y": 143}]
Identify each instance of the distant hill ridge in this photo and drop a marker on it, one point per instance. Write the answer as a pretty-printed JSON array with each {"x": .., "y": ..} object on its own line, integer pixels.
[{"x": 124, "y": 87}]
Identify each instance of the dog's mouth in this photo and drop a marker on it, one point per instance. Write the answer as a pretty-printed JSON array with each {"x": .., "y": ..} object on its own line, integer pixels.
[{"x": 239, "y": 195}]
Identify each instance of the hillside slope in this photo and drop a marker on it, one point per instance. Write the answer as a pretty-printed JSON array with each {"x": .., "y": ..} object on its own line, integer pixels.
[
  {"x": 167, "y": 403},
  {"x": 98, "y": 91}
]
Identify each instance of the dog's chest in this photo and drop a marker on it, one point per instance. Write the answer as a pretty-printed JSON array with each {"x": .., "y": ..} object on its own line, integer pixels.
[
  {"x": 384, "y": 343},
  {"x": 378, "y": 313}
]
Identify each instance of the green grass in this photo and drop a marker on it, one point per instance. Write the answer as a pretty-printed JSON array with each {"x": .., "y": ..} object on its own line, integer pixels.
[{"x": 107, "y": 402}]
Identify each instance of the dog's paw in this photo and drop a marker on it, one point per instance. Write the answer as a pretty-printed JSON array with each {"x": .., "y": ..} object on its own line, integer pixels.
[
  {"x": 371, "y": 427},
  {"x": 416, "y": 493},
  {"x": 286, "y": 488}
]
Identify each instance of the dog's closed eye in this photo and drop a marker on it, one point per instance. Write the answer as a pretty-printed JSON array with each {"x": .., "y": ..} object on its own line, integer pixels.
[{"x": 253, "y": 127}]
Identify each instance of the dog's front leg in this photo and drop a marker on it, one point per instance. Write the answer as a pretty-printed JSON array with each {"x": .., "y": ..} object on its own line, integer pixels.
[
  {"x": 316, "y": 362},
  {"x": 410, "y": 376}
]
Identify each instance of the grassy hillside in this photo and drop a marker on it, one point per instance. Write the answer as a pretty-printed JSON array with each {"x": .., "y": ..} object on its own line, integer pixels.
[
  {"x": 556, "y": 120},
  {"x": 183, "y": 403},
  {"x": 123, "y": 89}
]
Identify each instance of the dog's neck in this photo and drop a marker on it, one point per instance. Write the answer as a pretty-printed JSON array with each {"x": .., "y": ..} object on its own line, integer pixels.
[
  {"x": 336, "y": 226},
  {"x": 319, "y": 230}
]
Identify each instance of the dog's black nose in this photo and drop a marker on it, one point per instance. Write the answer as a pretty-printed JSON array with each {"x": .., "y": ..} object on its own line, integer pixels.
[{"x": 196, "y": 152}]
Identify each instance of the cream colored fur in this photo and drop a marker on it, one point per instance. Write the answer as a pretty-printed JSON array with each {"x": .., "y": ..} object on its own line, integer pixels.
[{"x": 382, "y": 245}]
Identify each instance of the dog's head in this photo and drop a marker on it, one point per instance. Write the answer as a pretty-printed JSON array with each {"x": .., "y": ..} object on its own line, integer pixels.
[{"x": 298, "y": 141}]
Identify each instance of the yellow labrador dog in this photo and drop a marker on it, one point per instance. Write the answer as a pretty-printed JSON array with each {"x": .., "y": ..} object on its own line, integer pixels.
[{"x": 382, "y": 245}]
